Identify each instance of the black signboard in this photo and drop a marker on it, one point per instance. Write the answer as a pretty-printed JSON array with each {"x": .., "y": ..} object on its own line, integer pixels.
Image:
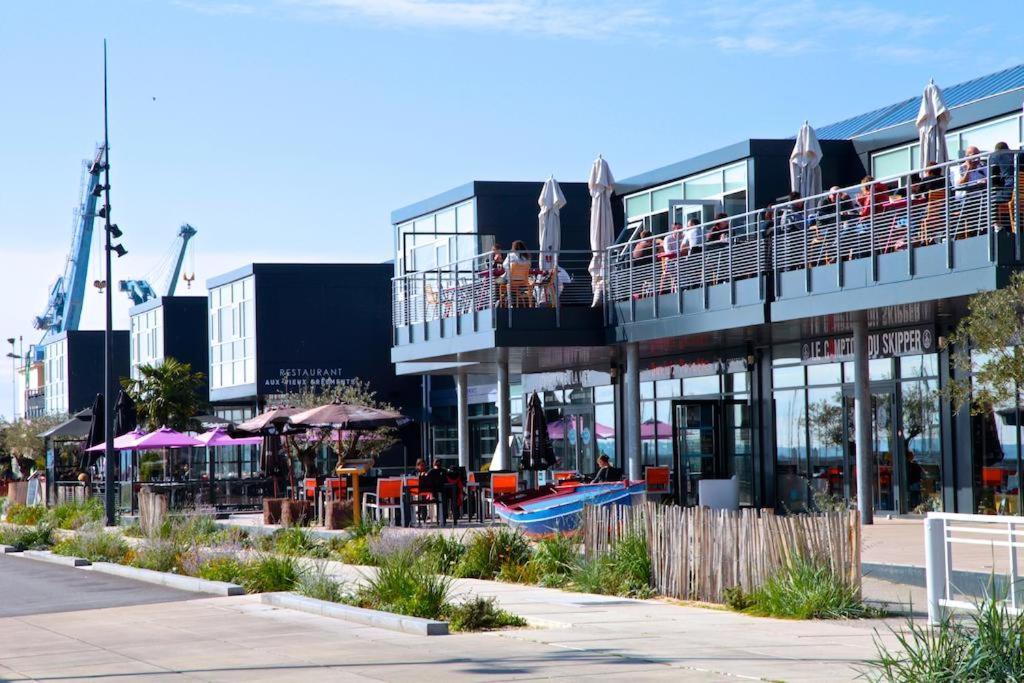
[{"x": 903, "y": 341}]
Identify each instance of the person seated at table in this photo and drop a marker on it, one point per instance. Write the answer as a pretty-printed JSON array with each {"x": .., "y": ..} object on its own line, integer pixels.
[
  {"x": 673, "y": 240},
  {"x": 693, "y": 237},
  {"x": 871, "y": 194},
  {"x": 793, "y": 213},
  {"x": 517, "y": 254},
  {"x": 421, "y": 466},
  {"x": 562, "y": 278},
  {"x": 606, "y": 473},
  {"x": 931, "y": 180},
  {"x": 831, "y": 211},
  {"x": 971, "y": 171},
  {"x": 1000, "y": 164},
  {"x": 497, "y": 257},
  {"x": 719, "y": 231},
  {"x": 643, "y": 250}
]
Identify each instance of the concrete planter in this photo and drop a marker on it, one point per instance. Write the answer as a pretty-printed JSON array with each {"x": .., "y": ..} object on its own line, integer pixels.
[
  {"x": 295, "y": 513},
  {"x": 368, "y": 617},
  {"x": 272, "y": 510},
  {"x": 4, "y": 549},
  {"x": 338, "y": 514},
  {"x": 178, "y": 581}
]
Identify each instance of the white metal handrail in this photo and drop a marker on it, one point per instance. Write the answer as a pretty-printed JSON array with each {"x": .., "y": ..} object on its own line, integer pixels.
[{"x": 943, "y": 531}]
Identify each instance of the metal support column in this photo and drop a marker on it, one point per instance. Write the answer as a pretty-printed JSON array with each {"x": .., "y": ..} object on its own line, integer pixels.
[
  {"x": 862, "y": 398},
  {"x": 631, "y": 411},
  {"x": 504, "y": 410},
  {"x": 462, "y": 417}
]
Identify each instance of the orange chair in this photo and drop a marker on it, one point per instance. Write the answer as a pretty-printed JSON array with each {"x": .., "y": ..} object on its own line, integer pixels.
[
  {"x": 501, "y": 483},
  {"x": 562, "y": 477},
  {"x": 658, "y": 480},
  {"x": 309, "y": 488},
  {"x": 519, "y": 288},
  {"x": 337, "y": 488},
  {"x": 388, "y": 498},
  {"x": 992, "y": 476}
]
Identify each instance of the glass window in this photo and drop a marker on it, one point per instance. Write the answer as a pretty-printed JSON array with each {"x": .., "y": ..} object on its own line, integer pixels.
[
  {"x": 703, "y": 186},
  {"x": 826, "y": 373},
  {"x": 826, "y": 432},
  {"x": 922, "y": 449},
  {"x": 701, "y": 386},
  {"x": 604, "y": 394},
  {"x": 791, "y": 449},
  {"x": 464, "y": 217},
  {"x": 736, "y": 177},
  {"x": 604, "y": 415},
  {"x": 919, "y": 366},
  {"x": 648, "y": 445},
  {"x": 660, "y": 197},
  {"x": 638, "y": 205},
  {"x": 736, "y": 382},
  {"x": 667, "y": 388},
  {"x": 646, "y": 389},
  {"x": 445, "y": 221},
  {"x": 792, "y": 376},
  {"x": 891, "y": 163},
  {"x": 986, "y": 136}
]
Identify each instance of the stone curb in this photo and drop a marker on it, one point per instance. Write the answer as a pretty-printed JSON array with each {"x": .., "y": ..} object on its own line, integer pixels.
[
  {"x": 4, "y": 549},
  {"x": 47, "y": 556},
  {"x": 184, "y": 583},
  {"x": 359, "y": 615}
]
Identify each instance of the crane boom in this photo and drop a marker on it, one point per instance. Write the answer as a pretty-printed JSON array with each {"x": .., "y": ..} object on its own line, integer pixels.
[
  {"x": 141, "y": 291},
  {"x": 186, "y": 233},
  {"x": 64, "y": 306}
]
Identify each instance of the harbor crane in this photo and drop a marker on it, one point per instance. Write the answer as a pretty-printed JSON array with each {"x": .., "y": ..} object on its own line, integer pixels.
[
  {"x": 64, "y": 306},
  {"x": 141, "y": 291}
]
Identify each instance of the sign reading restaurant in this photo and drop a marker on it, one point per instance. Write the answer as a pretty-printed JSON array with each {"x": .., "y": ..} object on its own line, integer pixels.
[
  {"x": 905, "y": 341},
  {"x": 300, "y": 379}
]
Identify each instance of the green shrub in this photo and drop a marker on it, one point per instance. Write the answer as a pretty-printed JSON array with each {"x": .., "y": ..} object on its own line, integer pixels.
[
  {"x": 625, "y": 570},
  {"x": 807, "y": 589},
  {"x": 316, "y": 583},
  {"x": 268, "y": 574},
  {"x": 221, "y": 568},
  {"x": 160, "y": 555},
  {"x": 33, "y": 538},
  {"x": 488, "y": 551},
  {"x": 405, "y": 586},
  {"x": 74, "y": 514},
  {"x": 987, "y": 647},
  {"x": 442, "y": 552},
  {"x": 133, "y": 530},
  {"x": 28, "y": 515},
  {"x": 298, "y": 541},
  {"x": 95, "y": 545},
  {"x": 554, "y": 560},
  {"x": 481, "y": 614},
  {"x": 737, "y": 599}
]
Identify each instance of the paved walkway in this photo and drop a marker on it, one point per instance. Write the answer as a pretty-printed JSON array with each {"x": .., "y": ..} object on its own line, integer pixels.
[{"x": 901, "y": 541}]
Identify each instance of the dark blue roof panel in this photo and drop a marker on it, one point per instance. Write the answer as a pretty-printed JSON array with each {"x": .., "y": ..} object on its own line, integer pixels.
[{"x": 902, "y": 112}]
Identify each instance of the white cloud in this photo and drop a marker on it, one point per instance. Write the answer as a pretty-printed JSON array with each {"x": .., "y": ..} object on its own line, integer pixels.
[
  {"x": 597, "y": 19},
  {"x": 217, "y": 8}
]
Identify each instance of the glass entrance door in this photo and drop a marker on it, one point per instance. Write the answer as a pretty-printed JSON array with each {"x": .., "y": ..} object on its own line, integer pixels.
[
  {"x": 574, "y": 441},
  {"x": 712, "y": 441},
  {"x": 888, "y": 491}
]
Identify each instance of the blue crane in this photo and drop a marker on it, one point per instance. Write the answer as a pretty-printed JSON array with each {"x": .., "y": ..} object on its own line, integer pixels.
[
  {"x": 141, "y": 291},
  {"x": 64, "y": 307}
]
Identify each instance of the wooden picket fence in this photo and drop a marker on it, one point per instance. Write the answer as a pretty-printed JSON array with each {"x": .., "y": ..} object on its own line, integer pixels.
[{"x": 697, "y": 553}]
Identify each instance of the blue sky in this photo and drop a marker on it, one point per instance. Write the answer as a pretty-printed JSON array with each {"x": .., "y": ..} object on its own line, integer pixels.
[{"x": 289, "y": 129}]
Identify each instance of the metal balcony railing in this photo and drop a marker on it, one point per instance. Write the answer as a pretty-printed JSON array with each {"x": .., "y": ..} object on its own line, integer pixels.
[
  {"x": 493, "y": 282},
  {"x": 972, "y": 197}
]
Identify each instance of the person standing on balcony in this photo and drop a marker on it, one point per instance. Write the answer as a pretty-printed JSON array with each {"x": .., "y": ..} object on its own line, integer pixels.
[
  {"x": 871, "y": 193},
  {"x": 971, "y": 171}
]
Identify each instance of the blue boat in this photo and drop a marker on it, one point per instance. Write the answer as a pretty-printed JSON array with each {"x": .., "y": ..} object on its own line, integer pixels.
[{"x": 558, "y": 509}]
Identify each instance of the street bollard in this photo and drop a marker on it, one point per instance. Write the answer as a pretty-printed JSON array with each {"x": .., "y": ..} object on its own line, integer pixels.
[{"x": 935, "y": 566}]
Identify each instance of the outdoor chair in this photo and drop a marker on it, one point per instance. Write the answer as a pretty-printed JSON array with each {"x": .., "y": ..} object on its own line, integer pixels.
[
  {"x": 658, "y": 480},
  {"x": 518, "y": 289},
  {"x": 562, "y": 477},
  {"x": 387, "y": 499},
  {"x": 501, "y": 483},
  {"x": 336, "y": 488}
]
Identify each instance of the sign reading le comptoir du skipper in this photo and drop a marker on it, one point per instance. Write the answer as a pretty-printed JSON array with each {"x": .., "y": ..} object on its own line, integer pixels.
[{"x": 905, "y": 341}]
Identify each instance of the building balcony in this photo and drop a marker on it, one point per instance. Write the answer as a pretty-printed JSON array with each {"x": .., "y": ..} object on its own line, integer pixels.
[
  {"x": 474, "y": 304},
  {"x": 908, "y": 239}
]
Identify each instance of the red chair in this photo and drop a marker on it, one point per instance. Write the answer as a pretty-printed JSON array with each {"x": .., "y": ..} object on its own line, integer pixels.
[
  {"x": 658, "y": 480},
  {"x": 337, "y": 488},
  {"x": 992, "y": 476},
  {"x": 501, "y": 483},
  {"x": 309, "y": 488},
  {"x": 562, "y": 477},
  {"x": 388, "y": 498}
]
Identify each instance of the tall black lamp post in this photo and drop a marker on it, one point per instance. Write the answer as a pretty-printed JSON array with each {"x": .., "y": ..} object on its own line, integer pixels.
[{"x": 110, "y": 231}]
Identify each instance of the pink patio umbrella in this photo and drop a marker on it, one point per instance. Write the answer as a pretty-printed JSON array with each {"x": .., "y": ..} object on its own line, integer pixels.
[
  {"x": 650, "y": 429},
  {"x": 165, "y": 437},
  {"x": 121, "y": 443},
  {"x": 557, "y": 428},
  {"x": 218, "y": 436}
]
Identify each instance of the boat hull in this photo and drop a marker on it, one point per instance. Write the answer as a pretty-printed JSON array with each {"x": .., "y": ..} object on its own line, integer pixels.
[{"x": 561, "y": 511}]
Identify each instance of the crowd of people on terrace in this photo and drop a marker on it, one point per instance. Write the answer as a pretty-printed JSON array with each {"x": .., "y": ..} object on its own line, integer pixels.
[{"x": 817, "y": 219}]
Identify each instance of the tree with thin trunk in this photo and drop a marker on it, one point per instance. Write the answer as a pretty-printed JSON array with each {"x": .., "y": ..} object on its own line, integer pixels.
[{"x": 166, "y": 394}]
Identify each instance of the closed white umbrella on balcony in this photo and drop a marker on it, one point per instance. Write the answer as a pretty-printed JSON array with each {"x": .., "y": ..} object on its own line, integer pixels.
[
  {"x": 601, "y": 184},
  {"x": 932, "y": 123},
  {"x": 549, "y": 223},
  {"x": 805, "y": 163}
]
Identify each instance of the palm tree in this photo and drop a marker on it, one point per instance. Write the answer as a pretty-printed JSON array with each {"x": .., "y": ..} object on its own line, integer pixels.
[{"x": 166, "y": 394}]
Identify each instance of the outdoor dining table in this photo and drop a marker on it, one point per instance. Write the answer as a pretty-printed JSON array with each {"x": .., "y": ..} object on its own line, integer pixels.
[{"x": 354, "y": 472}]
